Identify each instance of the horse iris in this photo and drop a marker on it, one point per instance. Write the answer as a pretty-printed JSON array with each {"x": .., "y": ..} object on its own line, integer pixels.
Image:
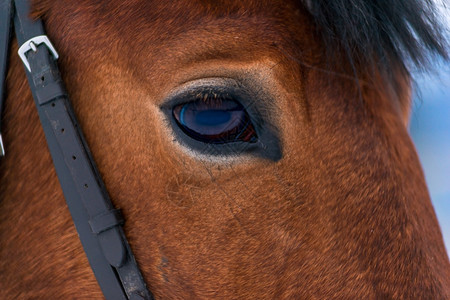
[{"x": 215, "y": 121}]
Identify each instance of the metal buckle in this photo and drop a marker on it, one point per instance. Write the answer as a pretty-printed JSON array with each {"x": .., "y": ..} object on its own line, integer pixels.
[
  {"x": 2, "y": 149},
  {"x": 31, "y": 45}
]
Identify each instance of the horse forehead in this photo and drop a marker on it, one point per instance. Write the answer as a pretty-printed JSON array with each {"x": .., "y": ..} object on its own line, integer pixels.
[
  {"x": 163, "y": 19},
  {"x": 184, "y": 9},
  {"x": 151, "y": 36}
]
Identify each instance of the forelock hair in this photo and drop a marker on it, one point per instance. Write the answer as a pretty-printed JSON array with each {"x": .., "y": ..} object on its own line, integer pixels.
[{"x": 381, "y": 33}]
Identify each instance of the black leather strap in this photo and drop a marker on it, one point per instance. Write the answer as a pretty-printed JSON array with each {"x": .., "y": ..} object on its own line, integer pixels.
[
  {"x": 98, "y": 223},
  {"x": 6, "y": 13},
  {"x": 105, "y": 221}
]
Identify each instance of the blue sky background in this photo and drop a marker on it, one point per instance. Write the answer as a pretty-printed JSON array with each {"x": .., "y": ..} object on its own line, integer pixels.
[{"x": 430, "y": 130}]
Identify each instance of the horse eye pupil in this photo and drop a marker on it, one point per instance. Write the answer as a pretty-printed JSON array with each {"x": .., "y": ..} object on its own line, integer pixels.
[
  {"x": 213, "y": 117},
  {"x": 215, "y": 121}
]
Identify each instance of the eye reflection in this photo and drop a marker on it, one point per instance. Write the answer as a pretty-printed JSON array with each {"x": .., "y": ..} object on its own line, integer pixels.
[{"x": 214, "y": 119}]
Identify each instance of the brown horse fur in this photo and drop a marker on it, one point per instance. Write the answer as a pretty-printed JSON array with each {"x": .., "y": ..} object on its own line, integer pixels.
[{"x": 344, "y": 214}]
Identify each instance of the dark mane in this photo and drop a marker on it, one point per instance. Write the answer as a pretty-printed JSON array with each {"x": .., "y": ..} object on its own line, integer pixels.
[{"x": 381, "y": 33}]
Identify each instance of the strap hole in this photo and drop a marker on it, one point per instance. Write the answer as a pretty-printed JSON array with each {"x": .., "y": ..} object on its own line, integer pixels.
[
  {"x": 62, "y": 130},
  {"x": 86, "y": 186},
  {"x": 42, "y": 78},
  {"x": 74, "y": 157},
  {"x": 53, "y": 104}
]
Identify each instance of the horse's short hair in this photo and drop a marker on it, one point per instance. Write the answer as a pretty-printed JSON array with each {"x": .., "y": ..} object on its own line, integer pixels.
[{"x": 381, "y": 33}]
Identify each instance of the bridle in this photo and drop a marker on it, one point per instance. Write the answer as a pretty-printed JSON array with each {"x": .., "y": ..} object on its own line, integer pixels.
[{"x": 98, "y": 223}]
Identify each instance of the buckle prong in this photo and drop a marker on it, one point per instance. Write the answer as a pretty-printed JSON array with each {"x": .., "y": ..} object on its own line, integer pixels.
[
  {"x": 2, "y": 148},
  {"x": 31, "y": 45}
]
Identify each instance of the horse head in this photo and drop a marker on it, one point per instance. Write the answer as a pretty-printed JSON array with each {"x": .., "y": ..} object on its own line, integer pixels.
[{"x": 257, "y": 149}]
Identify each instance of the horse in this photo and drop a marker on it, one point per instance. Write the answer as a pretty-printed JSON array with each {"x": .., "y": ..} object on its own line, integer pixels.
[{"x": 311, "y": 189}]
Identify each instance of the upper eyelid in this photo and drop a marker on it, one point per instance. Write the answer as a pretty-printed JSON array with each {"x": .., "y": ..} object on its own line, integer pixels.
[{"x": 190, "y": 95}]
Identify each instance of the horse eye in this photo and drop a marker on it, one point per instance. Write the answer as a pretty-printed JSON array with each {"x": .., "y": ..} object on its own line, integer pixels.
[{"x": 215, "y": 120}]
